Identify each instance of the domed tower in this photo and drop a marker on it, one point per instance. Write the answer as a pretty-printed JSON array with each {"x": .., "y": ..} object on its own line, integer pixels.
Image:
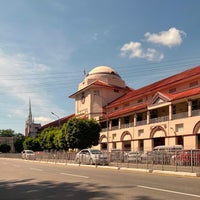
[
  {"x": 104, "y": 74},
  {"x": 101, "y": 86}
]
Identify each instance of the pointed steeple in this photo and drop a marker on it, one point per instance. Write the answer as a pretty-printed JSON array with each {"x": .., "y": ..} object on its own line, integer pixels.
[{"x": 29, "y": 119}]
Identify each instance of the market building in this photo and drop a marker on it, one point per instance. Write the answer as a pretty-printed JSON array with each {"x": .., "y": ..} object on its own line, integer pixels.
[{"x": 166, "y": 112}]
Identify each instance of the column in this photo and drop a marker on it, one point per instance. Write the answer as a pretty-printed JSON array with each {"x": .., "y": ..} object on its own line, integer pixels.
[
  {"x": 170, "y": 112},
  {"x": 189, "y": 108},
  {"x": 148, "y": 117},
  {"x": 135, "y": 120},
  {"x": 119, "y": 123}
]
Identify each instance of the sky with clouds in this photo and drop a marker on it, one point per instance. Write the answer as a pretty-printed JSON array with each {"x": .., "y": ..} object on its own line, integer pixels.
[{"x": 46, "y": 45}]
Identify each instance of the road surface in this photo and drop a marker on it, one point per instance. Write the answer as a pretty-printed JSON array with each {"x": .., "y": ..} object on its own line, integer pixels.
[{"x": 31, "y": 180}]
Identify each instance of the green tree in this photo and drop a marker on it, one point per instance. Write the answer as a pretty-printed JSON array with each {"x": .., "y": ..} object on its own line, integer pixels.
[
  {"x": 46, "y": 137},
  {"x": 59, "y": 138},
  {"x": 82, "y": 133},
  {"x": 5, "y": 148},
  {"x": 6, "y": 133},
  {"x": 32, "y": 144},
  {"x": 19, "y": 139},
  {"x": 94, "y": 132}
]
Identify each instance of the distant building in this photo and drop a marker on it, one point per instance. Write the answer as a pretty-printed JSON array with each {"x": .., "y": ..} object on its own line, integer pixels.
[
  {"x": 166, "y": 112},
  {"x": 31, "y": 129}
]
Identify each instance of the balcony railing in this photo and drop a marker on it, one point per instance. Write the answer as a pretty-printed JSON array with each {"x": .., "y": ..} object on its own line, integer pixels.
[
  {"x": 154, "y": 120},
  {"x": 128, "y": 125},
  {"x": 195, "y": 112},
  {"x": 140, "y": 123},
  {"x": 180, "y": 115},
  {"x": 159, "y": 119},
  {"x": 114, "y": 128}
]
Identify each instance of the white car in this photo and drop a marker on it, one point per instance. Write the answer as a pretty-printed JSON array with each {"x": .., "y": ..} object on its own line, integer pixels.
[
  {"x": 133, "y": 156},
  {"x": 28, "y": 155},
  {"x": 91, "y": 156}
]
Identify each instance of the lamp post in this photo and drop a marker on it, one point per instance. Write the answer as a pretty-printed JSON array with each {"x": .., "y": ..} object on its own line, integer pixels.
[{"x": 57, "y": 117}]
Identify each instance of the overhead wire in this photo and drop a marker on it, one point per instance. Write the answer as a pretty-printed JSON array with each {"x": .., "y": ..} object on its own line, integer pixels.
[{"x": 70, "y": 79}]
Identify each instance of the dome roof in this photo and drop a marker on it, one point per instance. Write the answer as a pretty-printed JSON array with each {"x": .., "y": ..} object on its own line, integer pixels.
[
  {"x": 103, "y": 70},
  {"x": 104, "y": 74}
]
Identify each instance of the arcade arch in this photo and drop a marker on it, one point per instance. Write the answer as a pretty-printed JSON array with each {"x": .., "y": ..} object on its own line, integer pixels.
[
  {"x": 126, "y": 139},
  {"x": 196, "y": 131},
  {"x": 158, "y": 135}
]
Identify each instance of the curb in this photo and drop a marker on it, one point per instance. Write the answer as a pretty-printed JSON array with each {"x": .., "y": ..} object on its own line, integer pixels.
[
  {"x": 192, "y": 174},
  {"x": 188, "y": 174}
]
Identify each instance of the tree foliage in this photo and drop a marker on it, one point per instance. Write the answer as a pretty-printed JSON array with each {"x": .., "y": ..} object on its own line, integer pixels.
[
  {"x": 47, "y": 136},
  {"x": 6, "y": 133},
  {"x": 5, "y": 148},
  {"x": 77, "y": 133},
  {"x": 32, "y": 143},
  {"x": 59, "y": 139},
  {"x": 19, "y": 139},
  {"x": 82, "y": 133}
]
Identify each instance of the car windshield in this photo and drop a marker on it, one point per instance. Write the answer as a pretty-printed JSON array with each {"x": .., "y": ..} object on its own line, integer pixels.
[
  {"x": 132, "y": 153},
  {"x": 29, "y": 152},
  {"x": 95, "y": 151}
]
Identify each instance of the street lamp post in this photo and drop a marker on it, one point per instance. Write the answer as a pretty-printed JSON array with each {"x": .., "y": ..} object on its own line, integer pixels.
[{"x": 57, "y": 117}]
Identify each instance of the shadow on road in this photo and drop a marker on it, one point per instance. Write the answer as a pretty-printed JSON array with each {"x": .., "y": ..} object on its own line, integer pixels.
[{"x": 28, "y": 189}]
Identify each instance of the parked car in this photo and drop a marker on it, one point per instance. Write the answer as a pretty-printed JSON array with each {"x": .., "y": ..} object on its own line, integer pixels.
[
  {"x": 28, "y": 155},
  {"x": 163, "y": 154},
  {"x": 117, "y": 155},
  {"x": 133, "y": 156},
  {"x": 91, "y": 156},
  {"x": 147, "y": 157},
  {"x": 168, "y": 148},
  {"x": 187, "y": 157}
]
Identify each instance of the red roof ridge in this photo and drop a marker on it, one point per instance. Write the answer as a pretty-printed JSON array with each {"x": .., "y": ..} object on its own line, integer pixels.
[{"x": 154, "y": 87}]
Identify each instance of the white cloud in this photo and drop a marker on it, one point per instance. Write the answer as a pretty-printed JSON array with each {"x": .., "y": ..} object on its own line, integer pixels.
[
  {"x": 153, "y": 54},
  {"x": 20, "y": 79},
  {"x": 170, "y": 38},
  {"x": 134, "y": 50},
  {"x": 42, "y": 120},
  {"x": 95, "y": 36}
]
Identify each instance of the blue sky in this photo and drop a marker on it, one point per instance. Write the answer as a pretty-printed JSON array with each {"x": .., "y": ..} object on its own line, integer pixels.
[{"x": 45, "y": 45}]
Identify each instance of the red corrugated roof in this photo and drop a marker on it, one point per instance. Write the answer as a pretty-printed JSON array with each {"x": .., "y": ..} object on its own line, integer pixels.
[
  {"x": 187, "y": 93},
  {"x": 56, "y": 122},
  {"x": 154, "y": 87},
  {"x": 126, "y": 110}
]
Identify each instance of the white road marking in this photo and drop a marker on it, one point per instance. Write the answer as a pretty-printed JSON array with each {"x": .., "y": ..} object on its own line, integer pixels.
[
  {"x": 169, "y": 191},
  {"x": 66, "y": 174},
  {"x": 36, "y": 169}
]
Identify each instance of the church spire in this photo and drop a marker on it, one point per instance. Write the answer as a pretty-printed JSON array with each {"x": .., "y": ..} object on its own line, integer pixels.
[
  {"x": 29, "y": 119},
  {"x": 31, "y": 128}
]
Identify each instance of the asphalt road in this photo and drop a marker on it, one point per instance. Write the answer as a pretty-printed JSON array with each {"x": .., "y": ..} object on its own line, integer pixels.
[{"x": 20, "y": 179}]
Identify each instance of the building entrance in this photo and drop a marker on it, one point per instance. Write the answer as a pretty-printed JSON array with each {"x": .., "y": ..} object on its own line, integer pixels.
[
  {"x": 158, "y": 141},
  {"x": 104, "y": 146},
  {"x": 126, "y": 146},
  {"x": 198, "y": 141}
]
